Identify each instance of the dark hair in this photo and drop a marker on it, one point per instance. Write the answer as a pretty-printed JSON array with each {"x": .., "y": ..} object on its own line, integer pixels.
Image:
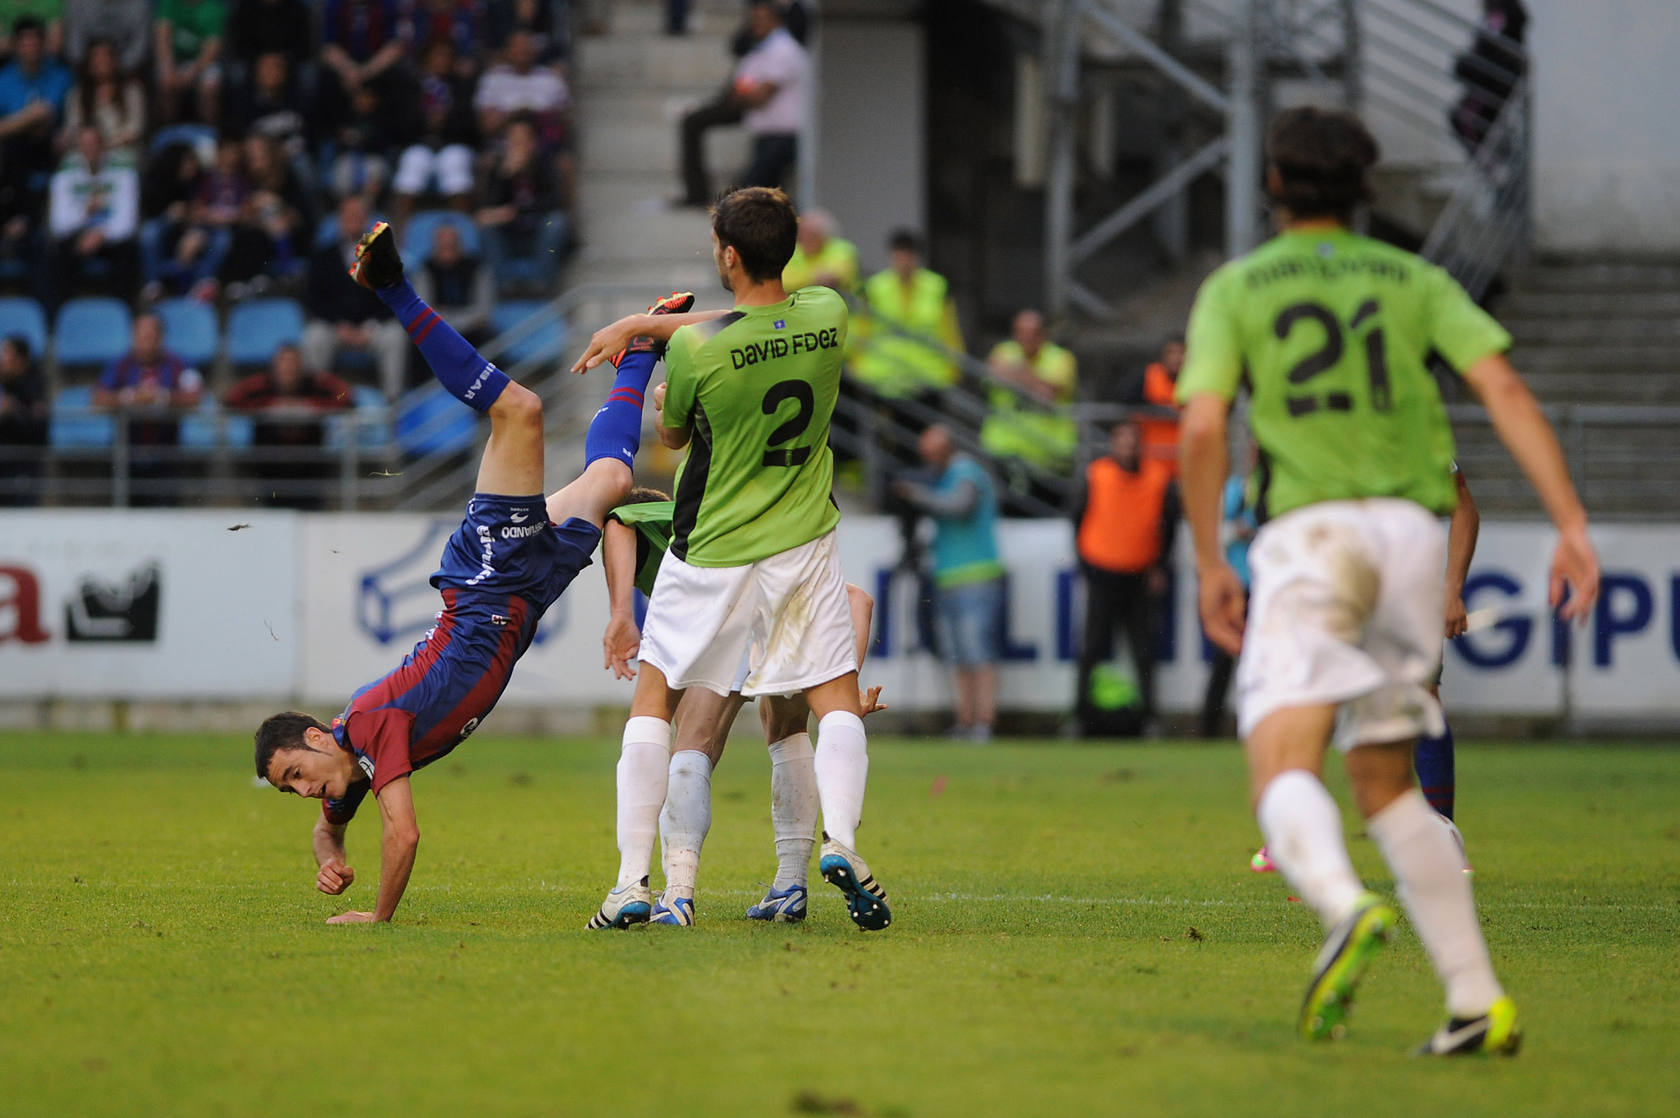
[
  {"x": 1172, "y": 339},
  {"x": 907, "y": 239},
  {"x": 758, "y": 222},
  {"x": 280, "y": 732},
  {"x": 1321, "y": 157},
  {"x": 643, "y": 494},
  {"x": 19, "y": 343},
  {"x": 28, "y": 23}
]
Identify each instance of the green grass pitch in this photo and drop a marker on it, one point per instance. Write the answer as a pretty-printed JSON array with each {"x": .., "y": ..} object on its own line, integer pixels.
[{"x": 1076, "y": 932}]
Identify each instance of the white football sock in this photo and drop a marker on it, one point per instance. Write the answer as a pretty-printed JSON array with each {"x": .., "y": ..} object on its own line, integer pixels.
[
  {"x": 1303, "y": 829},
  {"x": 1429, "y": 876},
  {"x": 642, "y": 762},
  {"x": 842, "y": 771},
  {"x": 793, "y": 807},
  {"x": 686, "y": 818}
]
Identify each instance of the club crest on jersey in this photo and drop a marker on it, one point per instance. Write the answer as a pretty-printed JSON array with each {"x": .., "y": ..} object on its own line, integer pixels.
[{"x": 780, "y": 324}]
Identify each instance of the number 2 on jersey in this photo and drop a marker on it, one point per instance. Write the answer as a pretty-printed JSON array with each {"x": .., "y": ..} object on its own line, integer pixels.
[
  {"x": 800, "y": 393},
  {"x": 1327, "y": 356}
]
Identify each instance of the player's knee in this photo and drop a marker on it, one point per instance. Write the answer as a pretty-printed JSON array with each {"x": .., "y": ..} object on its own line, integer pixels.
[{"x": 518, "y": 405}]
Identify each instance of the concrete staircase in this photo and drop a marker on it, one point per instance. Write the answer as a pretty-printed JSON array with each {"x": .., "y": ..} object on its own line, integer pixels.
[
  {"x": 632, "y": 85},
  {"x": 1603, "y": 333}
]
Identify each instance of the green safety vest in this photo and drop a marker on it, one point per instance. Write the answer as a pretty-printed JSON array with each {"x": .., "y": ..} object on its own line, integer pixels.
[{"x": 899, "y": 366}]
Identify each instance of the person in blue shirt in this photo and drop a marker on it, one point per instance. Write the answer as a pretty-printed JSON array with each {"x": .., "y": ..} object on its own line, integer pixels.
[
  {"x": 32, "y": 92},
  {"x": 967, "y": 575}
]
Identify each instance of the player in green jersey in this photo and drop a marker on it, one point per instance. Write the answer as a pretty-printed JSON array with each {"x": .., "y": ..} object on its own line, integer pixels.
[
  {"x": 752, "y": 563},
  {"x": 633, "y": 545},
  {"x": 1331, "y": 331}
]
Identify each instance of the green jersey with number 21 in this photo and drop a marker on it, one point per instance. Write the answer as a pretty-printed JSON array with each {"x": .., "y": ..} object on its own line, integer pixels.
[
  {"x": 758, "y": 386},
  {"x": 1333, "y": 333}
]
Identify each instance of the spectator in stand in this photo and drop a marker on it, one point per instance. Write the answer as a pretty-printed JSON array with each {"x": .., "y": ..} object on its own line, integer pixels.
[
  {"x": 1489, "y": 71},
  {"x": 175, "y": 259},
  {"x": 258, "y": 27},
  {"x": 459, "y": 286},
  {"x": 23, "y": 423},
  {"x": 769, "y": 91},
  {"x": 289, "y": 403},
  {"x": 543, "y": 20},
  {"x": 125, "y": 24},
  {"x": 967, "y": 575},
  {"x": 269, "y": 100},
  {"x": 110, "y": 101},
  {"x": 152, "y": 385},
  {"x": 213, "y": 213},
  {"x": 1240, "y": 525},
  {"x": 361, "y": 161},
  {"x": 271, "y": 235},
  {"x": 464, "y": 24},
  {"x": 517, "y": 86},
  {"x": 187, "y": 51},
  {"x": 524, "y": 230},
  {"x": 46, "y": 12},
  {"x": 345, "y": 316},
  {"x": 773, "y": 85},
  {"x": 441, "y": 157},
  {"x": 1029, "y": 425},
  {"x": 32, "y": 92},
  {"x": 900, "y": 347},
  {"x": 1160, "y": 430},
  {"x": 94, "y": 219},
  {"x": 361, "y": 45},
  {"x": 1124, "y": 554},
  {"x": 820, "y": 257}
]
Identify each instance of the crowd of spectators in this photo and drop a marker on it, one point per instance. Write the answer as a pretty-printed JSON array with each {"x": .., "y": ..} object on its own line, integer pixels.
[{"x": 206, "y": 148}]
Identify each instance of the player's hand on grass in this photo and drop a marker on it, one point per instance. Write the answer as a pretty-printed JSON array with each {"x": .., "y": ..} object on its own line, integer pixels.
[
  {"x": 1220, "y": 603},
  {"x": 351, "y": 918},
  {"x": 334, "y": 878},
  {"x": 870, "y": 700},
  {"x": 1457, "y": 618},
  {"x": 619, "y": 645},
  {"x": 1574, "y": 575}
]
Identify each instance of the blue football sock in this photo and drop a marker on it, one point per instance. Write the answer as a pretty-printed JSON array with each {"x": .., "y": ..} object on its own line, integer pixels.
[
  {"x": 456, "y": 364},
  {"x": 1434, "y": 761},
  {"x": 616, "y": 430}
]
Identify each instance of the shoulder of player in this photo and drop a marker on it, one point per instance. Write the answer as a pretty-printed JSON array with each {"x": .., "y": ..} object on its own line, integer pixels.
[{"x": 696, "y": 335}]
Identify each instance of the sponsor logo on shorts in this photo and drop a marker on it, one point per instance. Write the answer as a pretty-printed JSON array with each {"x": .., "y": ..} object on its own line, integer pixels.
[
  {"x": 466, "y": 731},
  {"x": 522, "y": 532},
  {"x": 518, "y": 517}
]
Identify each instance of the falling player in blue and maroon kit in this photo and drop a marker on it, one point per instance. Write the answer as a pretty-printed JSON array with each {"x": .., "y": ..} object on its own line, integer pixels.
[{"x": 513, "y": 556}]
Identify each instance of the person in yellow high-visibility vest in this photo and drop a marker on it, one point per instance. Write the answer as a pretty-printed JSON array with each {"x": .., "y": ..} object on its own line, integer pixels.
[
  {"x": 820, "y": 257},
  {"x": 1035, "y": 429},
  {"x": 906, "y": 298}
]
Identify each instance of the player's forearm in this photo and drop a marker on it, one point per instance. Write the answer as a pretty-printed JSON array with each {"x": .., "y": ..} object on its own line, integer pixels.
[
  {"x": 1204, "y": 461},
  {"x": 396, "y": 862},
  {"x": 1466, "y": 525},
  {"x": 662, "y": 326},
  {"x": 618, "y": 559},
  {"x": 1527, "y": 434},
  {"x": 329, "y": 842}
]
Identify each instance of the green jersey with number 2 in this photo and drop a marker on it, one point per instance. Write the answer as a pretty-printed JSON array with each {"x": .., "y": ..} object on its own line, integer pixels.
[
  {"x": 758, "y": 386},
  {"x": 1332, "y": 333}
]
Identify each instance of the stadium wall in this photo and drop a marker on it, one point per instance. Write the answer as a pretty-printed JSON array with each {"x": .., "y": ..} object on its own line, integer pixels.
[{"x": 282, "y": 608}]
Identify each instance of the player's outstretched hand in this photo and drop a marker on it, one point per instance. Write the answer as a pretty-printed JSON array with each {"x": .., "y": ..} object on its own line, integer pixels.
[
  {"x": 1574, "y": 575},
  {"x": 619, "y": 645},
  {"x": 1220, "y": 602},
  {"x": 870, "y": 700},
  {"x": 351, "y": 918},
  {"x": 1457, "y": 618},
  {"x": 334, "y": 878},
  {"x": 611, "y": 338}
]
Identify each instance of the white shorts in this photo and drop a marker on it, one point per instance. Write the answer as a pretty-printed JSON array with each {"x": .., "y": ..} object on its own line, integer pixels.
[
  {"x": 451, "y": 167},
  {"x": 787, "y": 614},
  {"x": 1346, "y": 608}
]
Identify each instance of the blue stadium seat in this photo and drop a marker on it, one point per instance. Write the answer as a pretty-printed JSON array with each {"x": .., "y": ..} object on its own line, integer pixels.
[
  {"x": 190, "y": 330},
  {"x": 371, "y": 420},
  {"x": 256, "y": 327},
  {"x": 70, "y": 428},
  {"x": 431, "y": 421},
  {"x": 417, "y": 238},
  {"x": 198, "y": 430},
  {"x": 542, "y": 344},
  {"x": 91, "y": 332},
  {"x": 22, "y": 315}
]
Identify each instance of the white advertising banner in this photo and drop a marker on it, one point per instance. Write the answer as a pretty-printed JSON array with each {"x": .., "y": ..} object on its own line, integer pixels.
[
  {"x": 258, "y": 605},
  {"x": 147, "y": 604}
]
